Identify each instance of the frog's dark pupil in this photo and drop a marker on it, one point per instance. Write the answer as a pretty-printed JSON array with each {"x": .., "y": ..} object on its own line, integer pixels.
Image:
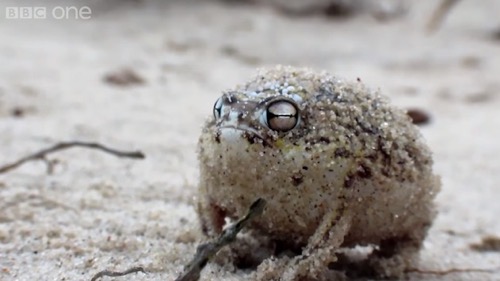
[
  {"x": 217, "y": 112},
  {"x": 217, "y": 109}
]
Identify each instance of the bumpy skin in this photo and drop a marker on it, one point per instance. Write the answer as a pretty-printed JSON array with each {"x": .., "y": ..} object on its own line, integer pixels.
[{"x": 354, "y": 171}]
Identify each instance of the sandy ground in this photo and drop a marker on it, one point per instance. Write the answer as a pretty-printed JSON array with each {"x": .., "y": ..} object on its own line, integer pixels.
[{"x": 98, "y": 212}]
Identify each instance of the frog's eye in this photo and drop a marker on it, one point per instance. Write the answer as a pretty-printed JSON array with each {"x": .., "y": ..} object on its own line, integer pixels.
[
  {"x": 282, "y": 115},
  {"x": 218, "y": 108}
]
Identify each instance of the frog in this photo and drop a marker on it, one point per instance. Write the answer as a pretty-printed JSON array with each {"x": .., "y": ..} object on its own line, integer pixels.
[{"x": 338, "y": 165}]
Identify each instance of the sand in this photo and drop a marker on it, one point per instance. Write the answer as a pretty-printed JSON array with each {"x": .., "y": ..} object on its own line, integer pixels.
[{"x": 96, "y": 211}]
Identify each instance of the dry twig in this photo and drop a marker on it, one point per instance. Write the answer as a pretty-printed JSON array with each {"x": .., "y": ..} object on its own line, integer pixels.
[
  {"x": 439, "y": 14},
  {"x": 116, "y": 273},
  {"x": 40, "y": 155},
  {"x": 453, "y": 270},
  {"x": 205, "y": 251}
]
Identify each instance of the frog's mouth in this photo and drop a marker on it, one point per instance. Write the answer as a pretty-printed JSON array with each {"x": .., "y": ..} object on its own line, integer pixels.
[{"x": 250, "y": 134}]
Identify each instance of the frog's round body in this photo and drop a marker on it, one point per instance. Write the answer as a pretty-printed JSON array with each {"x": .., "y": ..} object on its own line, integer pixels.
[{"x": 349, "y": 153}]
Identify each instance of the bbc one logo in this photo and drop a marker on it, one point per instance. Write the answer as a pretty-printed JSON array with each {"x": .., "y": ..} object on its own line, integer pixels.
[{"x": 58, "y": 13}]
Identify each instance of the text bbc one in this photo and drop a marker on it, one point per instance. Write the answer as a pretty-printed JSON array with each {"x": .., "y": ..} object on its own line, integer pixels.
[{"x": 58, "y": 13}]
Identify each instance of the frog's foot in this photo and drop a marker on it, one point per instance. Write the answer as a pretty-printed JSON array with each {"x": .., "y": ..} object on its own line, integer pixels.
[
  {"x": 394, "y": 256},
  {"x": 251, "y": 249},
  {"x": 302, "y": 267},
  {"x": 320, "y": 251},
  {"x": 312, "y": 266}
]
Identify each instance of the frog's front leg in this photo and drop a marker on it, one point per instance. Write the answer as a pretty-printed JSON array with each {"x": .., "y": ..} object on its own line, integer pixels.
[
  {"x": 321, "y": 248},
  {"x": 316, "y": 256},
  {"x": 212, "y": 217}
]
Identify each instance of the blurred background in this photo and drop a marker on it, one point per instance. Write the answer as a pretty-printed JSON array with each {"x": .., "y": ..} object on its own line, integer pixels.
[{"x": 144, "y": 74}]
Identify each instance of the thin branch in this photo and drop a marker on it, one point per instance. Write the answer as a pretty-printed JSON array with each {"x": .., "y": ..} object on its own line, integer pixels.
[
  {"x": 439, "y": 14},
  {"x": 117, "y": 273},
  {"x": 454, "y": 270},
  {"x": 40, "y": 155},
  {"x": 206, "y": 251}
]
